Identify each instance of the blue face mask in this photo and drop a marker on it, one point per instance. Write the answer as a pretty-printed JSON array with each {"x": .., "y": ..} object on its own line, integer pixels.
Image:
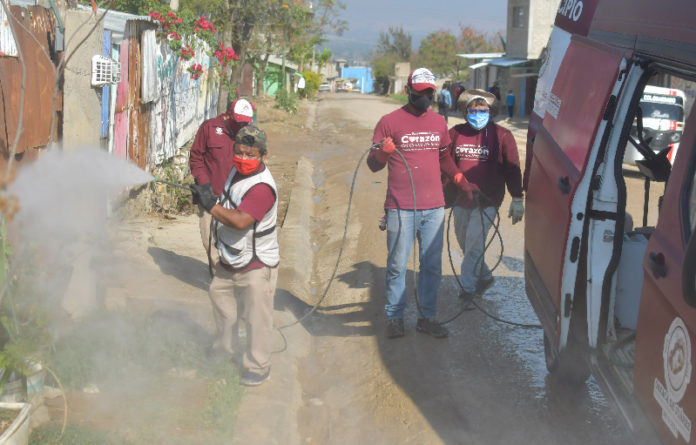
[{"x": 478, "y": 120}]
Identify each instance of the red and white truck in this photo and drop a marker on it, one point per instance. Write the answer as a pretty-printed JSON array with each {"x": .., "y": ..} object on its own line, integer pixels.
[{"x": 616, "y": 297}]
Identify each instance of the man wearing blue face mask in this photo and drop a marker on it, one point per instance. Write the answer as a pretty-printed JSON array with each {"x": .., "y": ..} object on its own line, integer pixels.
[{"x": 487, "y": 155}]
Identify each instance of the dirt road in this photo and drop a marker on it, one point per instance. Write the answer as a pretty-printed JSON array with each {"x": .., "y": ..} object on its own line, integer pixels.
[
  {"x": 336, "y": 379},
  {"x": 485, "y": 384}
]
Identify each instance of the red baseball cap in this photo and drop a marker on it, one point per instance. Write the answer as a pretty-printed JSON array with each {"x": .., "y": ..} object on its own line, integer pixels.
[
  {"x": 242, "y": 111},
  {"x": 421, "y": 79}
]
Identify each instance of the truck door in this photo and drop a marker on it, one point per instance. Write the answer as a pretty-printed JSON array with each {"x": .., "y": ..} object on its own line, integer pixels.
[
  {"x": 664, "y": 357},
  {"x": 558, "y": 186}
]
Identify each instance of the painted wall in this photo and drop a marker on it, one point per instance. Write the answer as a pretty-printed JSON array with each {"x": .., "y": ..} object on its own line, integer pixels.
[
  {"x": 527, "y": 41},
  {"x": 81, "y": 101},
  {"x": 542, "y": 16},
  {"x": 364, "y": 76},
  {"x": 178, "y": 103}
]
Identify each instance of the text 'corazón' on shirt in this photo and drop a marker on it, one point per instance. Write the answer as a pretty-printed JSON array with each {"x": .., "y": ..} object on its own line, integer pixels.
[{"x": 420, "y": 140}]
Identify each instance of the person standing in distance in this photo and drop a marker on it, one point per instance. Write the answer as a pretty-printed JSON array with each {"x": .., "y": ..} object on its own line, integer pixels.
[
  {"x": 444, "y": 100},
  {"x": 510, "y": 101},
  {"x": 487, "y": 154},
  {"x": 244, "y": 229},
  {"x": 210, "y": 160},
  {"x": 422, "y": 138}
]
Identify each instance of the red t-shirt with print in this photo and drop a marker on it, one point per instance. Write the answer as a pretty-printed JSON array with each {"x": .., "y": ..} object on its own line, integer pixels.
[
  {"x": 489, "y": 159},
  {"x": 423, "y": 141}
]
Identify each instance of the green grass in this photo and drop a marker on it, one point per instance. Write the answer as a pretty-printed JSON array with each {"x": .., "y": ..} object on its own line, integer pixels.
[
  {"x": 399, "y": 97},
  {"x": 116, "y": 350},
  {"x": 74, "y": 435}
]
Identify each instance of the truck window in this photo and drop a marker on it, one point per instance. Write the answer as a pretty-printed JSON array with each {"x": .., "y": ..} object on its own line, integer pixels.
[
  {"x": 657, "y": 110},
  {"x": 661, "y": 115}
]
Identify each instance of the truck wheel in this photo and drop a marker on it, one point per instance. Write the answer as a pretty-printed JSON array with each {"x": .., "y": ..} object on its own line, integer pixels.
[{"x": 570, "y": 365}]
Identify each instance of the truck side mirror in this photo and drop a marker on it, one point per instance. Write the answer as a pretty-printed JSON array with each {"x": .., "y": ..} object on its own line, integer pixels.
[{"x": 689, "y": 272}]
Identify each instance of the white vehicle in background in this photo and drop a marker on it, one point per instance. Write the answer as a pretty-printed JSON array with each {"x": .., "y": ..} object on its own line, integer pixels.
[{"x": 663, "y": 122}]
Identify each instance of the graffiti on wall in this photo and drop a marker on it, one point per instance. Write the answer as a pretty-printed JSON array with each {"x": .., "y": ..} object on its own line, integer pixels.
[{"x": 179, "y": 104}]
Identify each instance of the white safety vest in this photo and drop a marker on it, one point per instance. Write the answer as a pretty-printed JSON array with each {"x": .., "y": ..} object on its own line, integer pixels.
[{"x": 238, "y": 247}]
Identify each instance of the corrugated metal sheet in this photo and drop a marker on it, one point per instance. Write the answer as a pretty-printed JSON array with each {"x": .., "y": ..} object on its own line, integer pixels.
[
  {"x": 138, "y": 118},
  {"x": 115, "y": 21},
  {"x": 121, "y": 111},
  {"x": 40, "y": 81},
  {"x": 23, "y": 3},
  {"x": 151, "y": 84}
]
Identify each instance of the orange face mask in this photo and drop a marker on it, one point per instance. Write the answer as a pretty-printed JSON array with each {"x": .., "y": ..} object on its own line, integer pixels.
[{"x": 245, "y": 166}]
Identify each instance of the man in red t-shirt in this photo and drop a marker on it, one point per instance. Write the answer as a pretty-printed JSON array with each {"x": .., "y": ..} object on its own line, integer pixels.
[
  {"x": 421, "y": 137},
  {"x": 210, "y": 159},
  {"x": 487, "y": 154},
  {"x": 244, "y": 231}
]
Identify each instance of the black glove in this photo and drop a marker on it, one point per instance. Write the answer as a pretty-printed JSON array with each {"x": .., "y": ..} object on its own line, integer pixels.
[{"x": 205, "y": 196}]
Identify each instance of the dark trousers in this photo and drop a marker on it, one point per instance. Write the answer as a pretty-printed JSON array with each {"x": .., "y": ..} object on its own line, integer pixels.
[
  {"x": 443, "y": 111},
  {"x": 511, "y": 109}
]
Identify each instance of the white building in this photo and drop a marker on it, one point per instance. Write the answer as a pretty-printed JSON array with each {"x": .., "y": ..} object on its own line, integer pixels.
[{"x": 529, "y": 25}]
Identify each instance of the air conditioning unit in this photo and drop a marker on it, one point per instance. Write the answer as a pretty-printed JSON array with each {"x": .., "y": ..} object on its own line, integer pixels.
[{"x": 105, "y": 71}]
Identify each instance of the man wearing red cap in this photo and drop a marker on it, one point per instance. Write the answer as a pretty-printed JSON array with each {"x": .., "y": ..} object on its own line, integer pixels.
[
  {"x": 211, "y": 159},
  {"x": 422, "y": 138}
]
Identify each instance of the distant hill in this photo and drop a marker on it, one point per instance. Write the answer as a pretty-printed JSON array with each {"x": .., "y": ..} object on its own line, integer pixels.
[{"x": 350, "y": 50}]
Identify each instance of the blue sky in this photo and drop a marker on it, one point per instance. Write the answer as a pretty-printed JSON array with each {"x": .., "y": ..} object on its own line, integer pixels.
[{"x": 366, "y": 18}]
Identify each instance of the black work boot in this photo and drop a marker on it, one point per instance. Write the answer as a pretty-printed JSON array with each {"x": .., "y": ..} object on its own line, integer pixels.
[
  {"x": 431, "y": 327},
  {"x": 395, "y": 328},
  {"x": 483, "y": 285}
]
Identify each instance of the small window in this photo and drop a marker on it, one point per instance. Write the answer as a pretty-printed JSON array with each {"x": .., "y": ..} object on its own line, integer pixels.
[{"x": 518, "y": 20}]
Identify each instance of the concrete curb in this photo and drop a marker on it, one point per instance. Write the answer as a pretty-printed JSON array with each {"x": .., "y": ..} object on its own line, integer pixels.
[{"x": 268, "y": 413}]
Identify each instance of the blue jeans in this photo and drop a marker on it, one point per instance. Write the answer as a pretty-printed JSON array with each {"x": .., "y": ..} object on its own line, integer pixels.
[
  {"x": 471, "y": 228},
  {"x": 430, "y": 227}
]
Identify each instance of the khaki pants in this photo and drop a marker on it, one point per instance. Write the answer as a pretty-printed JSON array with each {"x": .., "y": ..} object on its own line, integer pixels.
[
  {"x": 204, "y": 221},
  {"x": 250, "y": 293}
]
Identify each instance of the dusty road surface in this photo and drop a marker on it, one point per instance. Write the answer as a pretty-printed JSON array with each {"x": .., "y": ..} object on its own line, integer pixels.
[
  {"x": 485, "y": 384},
  {"x": 336, "y": 379}
]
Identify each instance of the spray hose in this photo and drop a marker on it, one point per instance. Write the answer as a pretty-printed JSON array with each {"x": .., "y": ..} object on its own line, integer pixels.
[
  {"x": 415, "y": 269},
  {"x": 173, "y": 184}
]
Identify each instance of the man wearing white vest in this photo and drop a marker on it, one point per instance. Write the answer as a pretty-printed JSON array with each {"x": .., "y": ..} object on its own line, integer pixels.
[{"x": 244, "y": 231}]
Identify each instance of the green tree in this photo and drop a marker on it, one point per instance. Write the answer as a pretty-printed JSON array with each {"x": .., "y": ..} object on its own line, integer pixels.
[
  {"x": 257, "y": 28},
  {"x": 438, "y": 52},
  {"x": 383, "y": 71},
  {"x": 394, "y": 41},
  {"x": 393, "y": 46},
  {"x": 324, "y": 57},
  {"x": 472, "y": 41}
]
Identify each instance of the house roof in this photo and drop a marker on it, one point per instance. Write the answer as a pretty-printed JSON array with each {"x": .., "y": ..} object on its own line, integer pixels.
[
  {"x": 506, "y": 62},
  {"x": 478, "y": 65},
  {"x": 481, "y": 55},
  {"x": 24, "y": 3},
  {"x": 115, "y": 21}
]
